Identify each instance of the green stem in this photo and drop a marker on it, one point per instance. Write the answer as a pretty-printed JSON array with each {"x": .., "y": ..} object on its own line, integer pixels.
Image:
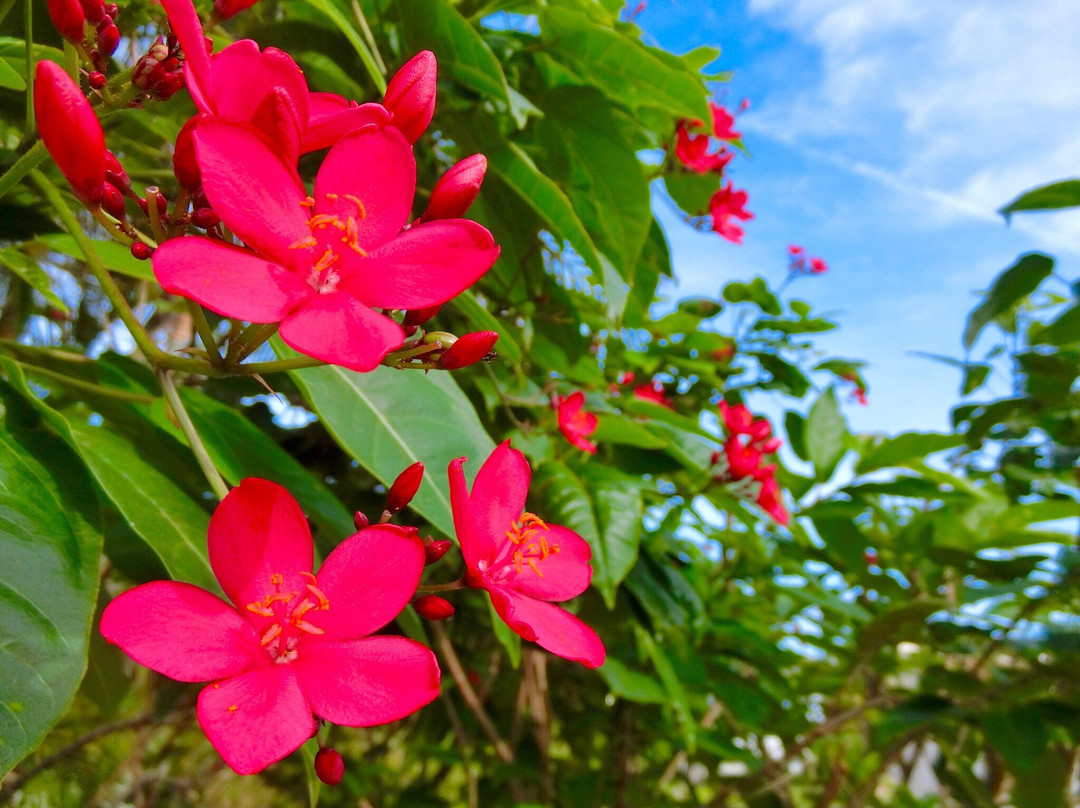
[
  {"x": 28, "y": 33},
  {"x": 153, "y": 354},
  {"x": 206, "y": 333},
  {"x": 278, "y": 365},
  {"x": 426, "y": 589},
  {"x": 250, "y": 338},
  {"x": 78, "y": 384},
  {"x": 366, "y": 30},
  {"x": 168, "y": 387},
  {"x": 23, "y": 166},
  {"x": 71, "y": 61}
]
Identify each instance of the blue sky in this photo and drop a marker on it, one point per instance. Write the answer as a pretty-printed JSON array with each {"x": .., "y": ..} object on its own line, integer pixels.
[{"x": 884, "y": 135}]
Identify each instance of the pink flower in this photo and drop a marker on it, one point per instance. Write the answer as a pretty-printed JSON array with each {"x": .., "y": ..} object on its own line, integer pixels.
[
  {"x": 749, "y": 440},
  {"x": 794, "y": 250},
  {"x": 725, "y": 205},
  {"x": 71, "y": 131},
  {"x": 321, "y": 264},
  {"x": 769, "y": 497},
  {"x": 654, "y": 392},
  {"x": 575, "y": 424},
  {"x": 817, "y": 266},
  {"x": 693, "y": 151},
  {"x": 525, "y": 564},
  {"x": 292, "y": 643},
  {"x": 722, "y": 123}
]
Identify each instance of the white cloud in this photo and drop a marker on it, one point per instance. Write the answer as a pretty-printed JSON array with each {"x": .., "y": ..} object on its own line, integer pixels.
[{"x": 963, "y": 105}]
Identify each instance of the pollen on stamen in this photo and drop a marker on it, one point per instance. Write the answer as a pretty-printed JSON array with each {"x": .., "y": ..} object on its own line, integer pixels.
[
  {"x": 277, "y": 579},
  {"x": 233, "y": 708},
  {"x": 270, "y": 634}
]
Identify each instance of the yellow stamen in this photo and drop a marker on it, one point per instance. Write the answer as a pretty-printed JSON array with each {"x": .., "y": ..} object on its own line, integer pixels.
[{"x": 270, "y": 634}]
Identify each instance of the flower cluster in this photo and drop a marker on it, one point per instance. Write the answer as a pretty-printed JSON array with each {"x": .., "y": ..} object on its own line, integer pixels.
[
  {"x": 799, "y": 263},
  {"x": 740, "y": 464}
]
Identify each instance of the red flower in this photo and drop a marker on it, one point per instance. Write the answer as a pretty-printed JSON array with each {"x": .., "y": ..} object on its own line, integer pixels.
[
  {"x": 71, "y": 131},
  {"x": 224, "y": 9},
  {"x": 575, "y": 424},
  {"x": 456, "y": 190},
  {"x": 749, "y": 440},
  {"x": 769, "y": 497},
  {"x": 292, "y": 643},
  {"x": 693, "y": 151},
  {"x": 817, "y": 266},
  {"x": 468, "y": 349},
  {"x": 794, "y": 249},
  {"x": 654, "y": 392},
  {"x": 69, "y": 19},
  {"x": 525, "y": 564},
  {"x": 324, "y": 263},
  {"x": 722, "y": 123},
  {"x": 725, "y": 205},
  {"x": 410, "y": 95}
]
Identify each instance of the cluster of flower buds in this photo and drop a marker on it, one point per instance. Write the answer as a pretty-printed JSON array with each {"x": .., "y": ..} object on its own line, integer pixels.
[
  {"x": 693, "y": 149},
  {"x": 71, "y": 18},
  {"x": 159, "y": 72},
  {"x": 799, "y": 263},
  {"x": 739, "y": 465},
  {"x": 442, "y": 350}
]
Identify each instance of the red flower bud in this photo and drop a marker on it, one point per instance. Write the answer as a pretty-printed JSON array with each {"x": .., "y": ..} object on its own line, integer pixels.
[
  {"x": 113, "y": 201},
  {"x": 147, "y": 73},
  {"x": 94, "y": 10},
  {"x": 410, "y": 95},
  {"x": 205, "y": 218},
  {"x": 432, "y": 607},
  {"x": 71, "y": 131},
  {"x": 115, "y": 174},
  {"x": 420, "y": 316},
  {"x": 141, "y": 250},
  {"x": 162, "y": 203},
  {"x": 185, "y": 166},
  {"x": 96, "y": 80},
  {"x": 404, "y": 487},
  {"x": 468, "y": 350},
  {"x": 435, "y": 550},
  {"x": 329, "y": 766},
  {"x": 169, "y": 85},
  {"x": 456, "y": 189},
  {"x": 223, "y": 9},
  {"x": 112, "y": 10},
  {"x": 360, "y": 520},
  {"x": 69, "y": 19},
  {"x": 108, "y": 39}
]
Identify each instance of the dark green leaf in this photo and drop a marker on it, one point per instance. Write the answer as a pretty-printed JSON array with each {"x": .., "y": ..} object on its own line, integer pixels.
[
  {"x": 1007, "y": 290},
  {"x": 826, "y": 435},
  {"x": 886, "y": 452},
  {"x": 1056, "y": 195}
]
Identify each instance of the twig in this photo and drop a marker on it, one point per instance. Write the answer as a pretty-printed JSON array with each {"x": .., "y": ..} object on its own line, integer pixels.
[{"x": 198, "y": 448}]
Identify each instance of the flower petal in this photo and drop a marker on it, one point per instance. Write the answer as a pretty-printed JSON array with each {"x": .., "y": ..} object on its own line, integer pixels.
[
  {"x": 339, "y": 329},
  {"x": 499, "y": 492},
  {"x": 241, "y": 77},
  {"x": 329, "y": 120},
  {"x": 426, "y": 265},
  {"x": 475, "y": 544},
  {"x": 368, "y": 579},
  {"x": 184, "y": 22},
  {"x": 182, "y": 631},
  {"x": 550, "y": 627},
  {"x": 229, "y": 280},
  {"x": 377, "y": 167},
  {"x": 562, "y": 575},
  {"x": 370, "y": 681},
  {"x": 256, "y": 194},
  {"x": 256, "y": 719},
  {"x": 259, "y": 532}
]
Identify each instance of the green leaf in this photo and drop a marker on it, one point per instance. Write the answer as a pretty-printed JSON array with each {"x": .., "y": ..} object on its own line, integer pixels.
[
  {"x": 886, "y": 452},
  {"x": 676, "y": 693},
  {"x": 28, "y": 269},
  {"x": 1007, "y": 290},
  {"x": 757, "y": 292},
  {"x": 605, "y": 506},
  {"x": 692, "y": 192},
  {"x": 164, "y": 516},
  {"x": 786, "y": 377},
  {"x": 336, "y": 16},
  {"x": 621, "y": 68},
  {"x": 115, "y": 257},
  {"x": 795, "y": 427},
  {"x": 463, "y": 55},
  {"x": 480, "y": 319},
  {"x": 975, "y": 374},
  {"x": 314, "y": 785},
  {"x": 1063, "y": 330},
  {"x": 50, "y": 543},
  {"x": 630, "y": 684},
  {"x": 388, "y": 419},
  {"x": 509, "y": 639},
  {"x": 826, "y": 435},
  {"x": 1056, "y": 195},
  {"x": 10, "y": 78}
]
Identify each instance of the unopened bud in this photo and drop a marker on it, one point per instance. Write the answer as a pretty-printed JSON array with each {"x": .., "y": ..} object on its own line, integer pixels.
[
  {"x": 114, "y": 172},
  {"x": 140, "y": 250},
  {"x": 96, "y": 80},
  {"x": 94, "y": 10},
  {"x": 360, "y": 520},
  {"x": 160, "y": 202},
  {"x": 432, "y": 607},
  {"x": 468, "y": 350},
  {"x": 405, "y": 487},
  {"x": 435, "y": 550},
  {"x": 112, "y": 10},
  {"x": 329, "y": 766},
  {"x": 456, "y": 189},
  {"x": 108, "y": 39},
  {"x": 169, "y": 85},
  {"x": 224, "y": 9},
  {"x": 410, "y": 95},
  {"x": 147, "y": 73},
  {"x": 69, "y": 19},
  {"x": 420, "y": 316},
  {"x": 113, "y": 201},
  {"x": 205, "y": 218},
  {"x": 71, "y": 131}
]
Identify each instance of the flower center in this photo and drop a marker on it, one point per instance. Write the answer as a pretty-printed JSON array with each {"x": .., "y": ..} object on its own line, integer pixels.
[
  {"x": 286, "y": 611},
  {"x": 331, "y": 234},
  {"x": 528, "y": 537}
]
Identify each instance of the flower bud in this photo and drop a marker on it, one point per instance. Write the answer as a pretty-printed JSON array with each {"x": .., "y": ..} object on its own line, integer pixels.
[
  {"x": 205, "y": 218},
  {"x": 456, "y": 189},
  {"x": 329, "y": 766},
  {"x": 140, "y": 250},
  {"x": 69, "y": 19},
  {"x": 96, "y": 79},
  {"x": 71, "y": 131},
  {"x": 360, "y": 520},
  {"x": 169, "y": 85},
  {"x": 224, "y": 9},
  {"x": 410, "y": 95},
  {"x": 432, "y": 607},
  {"x": 114, "y": 173},
  {"x": 94, "y": 10},
  {"x": 404, "y": 487},
  {"x": 435, "y": 550},
  {"x": 113, "y": 201},
  {"x": 416, "y": 317},
  {"x": 108, "y": 39},
  {"x": 161, "y": 203},
  {"x": 468, "y": 350},
  {"x": 112, "y": 10},
  {"x": 185, "y": 166}
]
